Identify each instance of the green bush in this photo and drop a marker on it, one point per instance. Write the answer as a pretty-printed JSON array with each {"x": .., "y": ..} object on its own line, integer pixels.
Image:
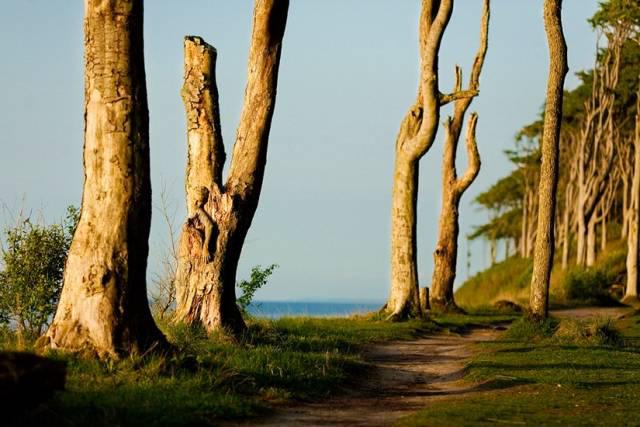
[
  {"x": 32, "y": 264},
  {"x": 590, "y": 285}
]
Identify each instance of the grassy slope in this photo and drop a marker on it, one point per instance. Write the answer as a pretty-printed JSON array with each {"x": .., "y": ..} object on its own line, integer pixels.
[
  {"x": 550, "y": 381},
  {"x": 509, "y": 280},
  {"x": 296, "y": 358}
]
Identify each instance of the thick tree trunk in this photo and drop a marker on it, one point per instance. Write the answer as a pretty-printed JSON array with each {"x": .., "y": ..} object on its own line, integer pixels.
[
  {"x": 632, "y": 291},
  {"x": 219, "y": 216},
  {"x": 103, "y": 308},
  {"x": 543, "y": 255},
  {"x": 445, "y": 256},
  {"x": 415, "y": 138},
  {"x": 403, "y": 299}
]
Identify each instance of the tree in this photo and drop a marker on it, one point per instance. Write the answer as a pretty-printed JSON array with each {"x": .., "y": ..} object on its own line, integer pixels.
[
  {"x": 545, "y": 244},
  {"x": 417, "y": 133},
  {"x": 31, "y": 276},
  {"x": 445, "y": 255},
  {"x": 220, "y": 214},
  {"x": 632, "y": 291},
  {"x": 103, "y": 308}
]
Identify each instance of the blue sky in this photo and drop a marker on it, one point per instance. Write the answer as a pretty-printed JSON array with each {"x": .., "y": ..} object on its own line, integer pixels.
[{"x": 348, "y": 73}]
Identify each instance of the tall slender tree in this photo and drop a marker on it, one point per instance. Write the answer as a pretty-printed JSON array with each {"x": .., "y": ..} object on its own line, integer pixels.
[
  {"x": 545, "y": 243},
  {"x": 632, "y": 292},
  {"x": 103, "y": 308},
  {"x": 220, "y": 214},
  {"x": 445, "y": 255},
  {"x": 417, "y": 133}
]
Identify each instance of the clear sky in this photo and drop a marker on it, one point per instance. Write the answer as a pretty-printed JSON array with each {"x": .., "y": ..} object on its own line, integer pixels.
[{"x": 348, "y": 73}]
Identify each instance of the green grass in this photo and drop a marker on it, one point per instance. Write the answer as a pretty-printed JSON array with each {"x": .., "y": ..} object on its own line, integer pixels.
[
  {"x": 281, "y": 360},
  {"x": 509, "y": 280},
  {"x": 567, "y": 374}
]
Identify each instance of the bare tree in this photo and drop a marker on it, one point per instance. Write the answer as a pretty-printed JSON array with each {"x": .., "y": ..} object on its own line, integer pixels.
[
  {"x": 417, "y": 133},
  {"x": 103, "y": 308},
  {"x": 596, "y": 148},
  {"x": 633, "y": 253},
  {"x": 163, "y": 297},
  {"x": 544, "y": 248},
  {"x": 220, "y": 214},
  {"x": 445, "y": 255}
]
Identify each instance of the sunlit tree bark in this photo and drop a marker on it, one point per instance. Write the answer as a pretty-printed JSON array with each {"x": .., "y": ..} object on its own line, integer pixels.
[
  {"x": 103, "y": 308},
  {"x": 417, "y": 133},
  {"x": 219, "y": 215},
  {"x": 445, "y": 255},
  {"x": 544, "y": 247}
]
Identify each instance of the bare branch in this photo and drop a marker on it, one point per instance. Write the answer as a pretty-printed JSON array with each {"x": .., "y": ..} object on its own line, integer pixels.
[
  {"x": 455, "y": 96},
  {"x": 473, "y": 156},
  {"x": 250, "y": 149}
]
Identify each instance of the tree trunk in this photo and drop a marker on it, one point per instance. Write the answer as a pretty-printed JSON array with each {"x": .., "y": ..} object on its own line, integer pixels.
[
  {"x": 403, "y": 300},
  {"x": 591, "y": 243},
  {"x": 632, "y": 291},
  {"x": 415, "y": 138},
  {"x": 581, "y": 244},
  {"x": 603, "y": 232},
  {"x": 566, "y": 230},
  {"x": 445, "y": 256},
  {"x": 543, "y": 255},
  {"x": 103, "y": 308},
  {"x": 219, "y": 215}
]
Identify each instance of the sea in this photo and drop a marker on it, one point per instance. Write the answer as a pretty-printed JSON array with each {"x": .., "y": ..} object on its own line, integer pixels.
[{"x": 277, "y": 309}]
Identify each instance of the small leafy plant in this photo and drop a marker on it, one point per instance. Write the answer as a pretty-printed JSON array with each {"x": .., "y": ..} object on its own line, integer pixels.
[{"x": 259, "y": 278}]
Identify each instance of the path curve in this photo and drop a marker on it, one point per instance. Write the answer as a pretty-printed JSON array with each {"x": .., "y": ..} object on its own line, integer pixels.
[{"x": 406, "y": 376}]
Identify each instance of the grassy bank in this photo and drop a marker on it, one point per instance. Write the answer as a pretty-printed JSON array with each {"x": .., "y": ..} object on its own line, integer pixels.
[
  {"x": 569, "y": 373},
  {"x": 509, "y": 280},
  {"x": 280, "y": 360}
]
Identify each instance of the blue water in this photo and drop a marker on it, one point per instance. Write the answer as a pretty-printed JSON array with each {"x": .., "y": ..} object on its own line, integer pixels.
[{"x": 276, "y": 309}]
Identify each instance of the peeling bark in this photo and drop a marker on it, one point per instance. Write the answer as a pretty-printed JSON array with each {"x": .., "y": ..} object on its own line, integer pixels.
[
  {"x": 544, "y": 247},
  {"x": 103, "y": 308},
  {"x": 209, "y": 254}
]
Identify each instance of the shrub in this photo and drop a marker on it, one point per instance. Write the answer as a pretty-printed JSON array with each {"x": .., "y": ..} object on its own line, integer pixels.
[
  {"x": 259, "y": 277},
  {"x": 33, "y": 258},
  {"x": 589, "y": 285},
  {"x": 588, "y": 332}
]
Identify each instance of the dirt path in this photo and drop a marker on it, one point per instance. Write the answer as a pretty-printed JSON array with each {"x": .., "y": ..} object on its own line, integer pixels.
[{"x": 407, "y": 375}]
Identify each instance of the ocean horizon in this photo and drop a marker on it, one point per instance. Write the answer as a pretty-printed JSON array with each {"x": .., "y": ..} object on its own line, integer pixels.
[{"x": 278, "y": 309}]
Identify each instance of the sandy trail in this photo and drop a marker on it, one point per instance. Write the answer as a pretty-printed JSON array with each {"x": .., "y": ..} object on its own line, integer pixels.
[{"x": 406, "y": 376}]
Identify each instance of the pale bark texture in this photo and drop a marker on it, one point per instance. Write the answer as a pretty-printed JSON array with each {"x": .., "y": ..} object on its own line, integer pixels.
[
  {"x": 596, "y": 146},
  {"x": 103, "y": 308},
  {"x": 415, "y": 138},
  {"x": 219, "y": 215},
  {"x": 544, "y": 247},
  {"x": 445, "y": 256},
  {"x": 633, "y": 240}
]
